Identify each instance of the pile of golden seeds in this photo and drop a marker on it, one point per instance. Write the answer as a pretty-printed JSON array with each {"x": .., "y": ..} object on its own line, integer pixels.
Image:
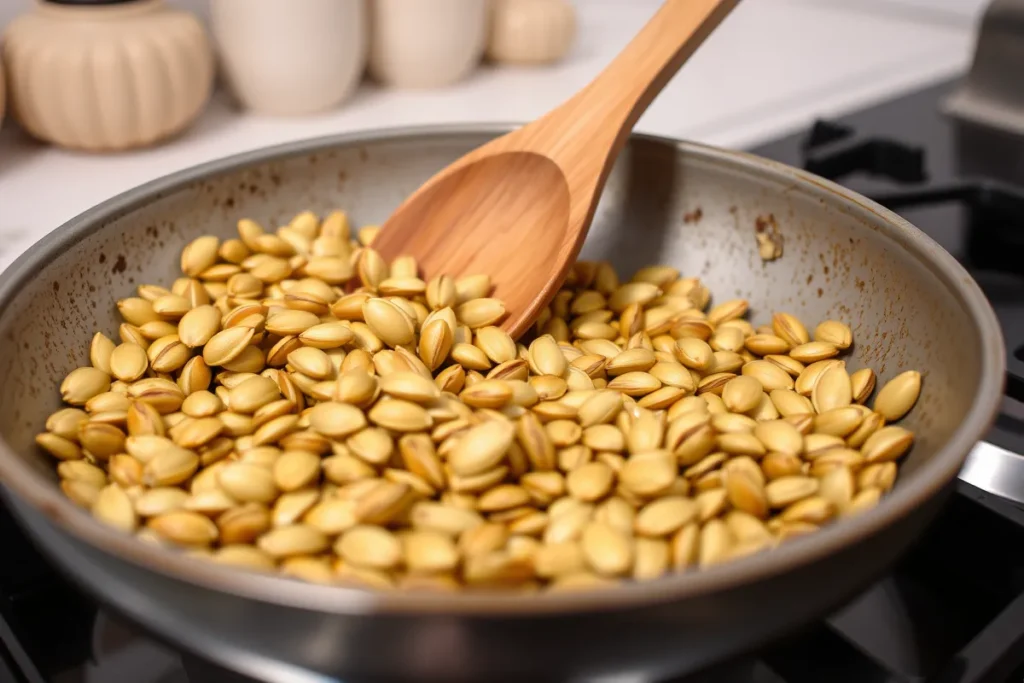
[{"x": 257, "y": 415}]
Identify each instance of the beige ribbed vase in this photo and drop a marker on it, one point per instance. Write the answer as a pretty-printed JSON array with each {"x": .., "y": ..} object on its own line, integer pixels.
[{"x": 107, "y": 76}]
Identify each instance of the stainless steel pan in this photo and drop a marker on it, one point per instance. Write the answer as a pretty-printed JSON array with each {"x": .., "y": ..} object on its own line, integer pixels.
[{"x": 911, "y": 306}]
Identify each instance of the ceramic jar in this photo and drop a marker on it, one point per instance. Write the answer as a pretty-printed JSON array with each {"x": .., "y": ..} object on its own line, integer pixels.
[
  {"x": 530, "y": 31},
  {"x": 294, "y": 57},
  {"x": 426, "y": 44},
  {"x": 106, "y": 75}
]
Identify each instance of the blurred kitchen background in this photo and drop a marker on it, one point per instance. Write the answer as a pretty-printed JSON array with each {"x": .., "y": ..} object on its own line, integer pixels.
[{"x": 773, "y": 67}]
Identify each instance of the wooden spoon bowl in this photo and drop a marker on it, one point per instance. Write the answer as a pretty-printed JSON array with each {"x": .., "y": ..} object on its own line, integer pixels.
[{"x": 519, "y": 207}]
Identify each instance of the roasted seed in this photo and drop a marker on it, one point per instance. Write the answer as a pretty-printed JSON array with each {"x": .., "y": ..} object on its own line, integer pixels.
[{"x": 898, "y": 395}]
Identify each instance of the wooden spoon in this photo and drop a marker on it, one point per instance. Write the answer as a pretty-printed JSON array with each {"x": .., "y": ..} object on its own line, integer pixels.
[{"x": 519, "y": 207}]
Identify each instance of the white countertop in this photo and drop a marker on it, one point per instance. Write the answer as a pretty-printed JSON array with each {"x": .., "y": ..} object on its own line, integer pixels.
[{"x": 772, "y": 67}]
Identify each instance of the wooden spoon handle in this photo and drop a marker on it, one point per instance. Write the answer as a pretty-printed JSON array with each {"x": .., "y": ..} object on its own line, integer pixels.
[{"x": 613, "y": 102}]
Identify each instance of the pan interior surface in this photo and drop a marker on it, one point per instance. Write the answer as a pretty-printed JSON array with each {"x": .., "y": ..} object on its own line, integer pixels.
[{"x": 684, "y": 205}]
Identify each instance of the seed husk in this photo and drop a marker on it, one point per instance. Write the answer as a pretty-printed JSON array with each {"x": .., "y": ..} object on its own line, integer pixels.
[
  {"x": 887, "y": 444},
  {"x": 99, "y": 352},
  {"x": 665, "y": 516},
  {"x": 59, "y": 447},
  {"x": 101, "y": 440},
  {"x": 496, "y": 343},
  {"x": 863, "y": 501},
  {"x": 295, "y": 470},
  {"x": 714, "y": 544},
  {"x": 379, "y": 501},
  {"x": 648, "y": 474},
  {"x": 789, "y": 328},
  {"x": 881, "y": 476},
  {"x": 746, "y": 493},
  {"x": 81, "y": 493},
  {"x": 728, "y": 310},
  {"x": 834, "y": 332},
  {"x": 293, "y": 540},
  {"x": 832, "y": 390},
  {"x": 871, "y": 423},
  {"x": 227, "y": 345},
  {"x": 898, "y": 395},
  {"x": 337, "y": 420},
  {"x": 409, "y": 386},
  {"x": 546, "y": 358},
  {"x": 811, "y": 374},
  {"x": 248, "y": 483},
  {"x": 481, "y": 448},
  {"x": 785, "y": 491},
  {"x": 169, "y": 466},
  {"x": 604, "y": 437},
  {"x": 291, "y": 322},
  {"x": 372, "y": 445},
  {"x": 635, "y": 383},
  {"x": 742, "y": 394},
  {"x": 137, "y": 311},
  {"x": 480, "y": 312},
  {"x": 838, "y": 421},
  {"x": 78, "y": 470},
  {"x": 606, "y": 550},
  {"x": 674, "y": 374},
  {"x": 631, "y": 360},
  {"x": 590, "y": 481},
  {"x": 559, "y": 559},
  {"x": 488, "y": 393},
  {"x": 862, "y": 383},
  {"x": 400, "y": 416},
  {"x": 470, "y": 287},
  {"x": 792, "y": 367},
  {"x": 788, "y": 402},
  {"x": 766, "y": 344},
  {"x": 184, "y": 528},
  {"x": 428, "y": 552},
  {"x": 370, "y": 546},
  {"x": 694, "y": 353},
  {"x": 838, "y": 487},
  {"x": 388, "y": 322},
  {"x": 355, "y": 387},
  {"x": 770, "y": 376},
  {"x": 812, "y": 352},
  {"x": 113, "y": 507},
  {"x": 82, "y": 384},
  {"x": 65, "y": 422},
  {"x": 600, "y": 408}
]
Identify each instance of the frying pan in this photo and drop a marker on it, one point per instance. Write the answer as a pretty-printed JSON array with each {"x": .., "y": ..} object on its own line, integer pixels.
[{"x": 909, "y": 303}]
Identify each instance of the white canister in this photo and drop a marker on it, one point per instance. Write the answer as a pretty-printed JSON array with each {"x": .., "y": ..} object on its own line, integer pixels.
[
  {"x": 291, "y": 58},
  {"x": 426, "y": 43}
]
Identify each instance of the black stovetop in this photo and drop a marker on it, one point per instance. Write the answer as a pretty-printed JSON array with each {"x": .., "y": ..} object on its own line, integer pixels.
[{"x": 952, "y": 611}]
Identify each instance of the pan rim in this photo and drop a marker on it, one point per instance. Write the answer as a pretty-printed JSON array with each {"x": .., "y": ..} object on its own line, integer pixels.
[{"x": 24, "y": 482}]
